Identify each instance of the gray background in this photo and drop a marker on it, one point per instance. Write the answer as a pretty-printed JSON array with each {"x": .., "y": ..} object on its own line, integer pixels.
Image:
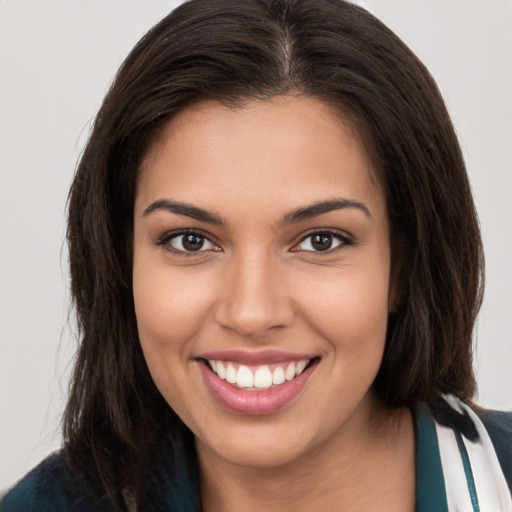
[{"x": 57, "y": 59}]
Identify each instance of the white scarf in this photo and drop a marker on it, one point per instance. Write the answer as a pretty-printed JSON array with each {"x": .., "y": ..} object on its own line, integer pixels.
[{"x": 473, "y": 477}]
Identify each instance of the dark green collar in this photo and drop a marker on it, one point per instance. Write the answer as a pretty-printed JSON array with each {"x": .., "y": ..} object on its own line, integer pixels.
[{"x": 430, "y": 488}]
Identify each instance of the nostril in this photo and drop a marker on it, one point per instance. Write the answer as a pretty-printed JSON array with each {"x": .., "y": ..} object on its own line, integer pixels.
[{"x": 250, "y": 315}]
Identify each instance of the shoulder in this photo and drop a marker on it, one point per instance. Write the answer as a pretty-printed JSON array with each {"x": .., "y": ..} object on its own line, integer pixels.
[
  {"x": 499, "y": 427},
  {"x": 50, "y": 486},
  {"x": 47, "y": 487}
]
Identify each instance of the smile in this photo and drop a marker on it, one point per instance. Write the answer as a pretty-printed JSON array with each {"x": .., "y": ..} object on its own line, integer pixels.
[
  {"x": 259, "y": 377},
  {"x": 256, "y": 389}
]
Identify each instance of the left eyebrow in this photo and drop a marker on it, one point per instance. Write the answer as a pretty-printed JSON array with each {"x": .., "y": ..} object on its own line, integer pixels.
[{"x": 315, "y": 209}]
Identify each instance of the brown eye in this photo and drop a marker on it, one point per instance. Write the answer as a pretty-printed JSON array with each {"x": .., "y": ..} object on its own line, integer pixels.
[
  {"x": 189, "y": 242},
  {"x": 192, "y": 242},
  {"x": 322, "y": 242}
]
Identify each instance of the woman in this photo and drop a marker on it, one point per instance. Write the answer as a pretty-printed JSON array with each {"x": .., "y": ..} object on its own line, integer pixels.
[{"x": 276, "y": 267}]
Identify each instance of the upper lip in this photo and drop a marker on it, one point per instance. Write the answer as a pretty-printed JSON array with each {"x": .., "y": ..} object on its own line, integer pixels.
[{"x": 246, "y": 357}]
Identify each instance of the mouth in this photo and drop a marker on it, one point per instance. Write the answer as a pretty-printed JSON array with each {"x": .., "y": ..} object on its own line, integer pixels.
[
  {"x": 257, "y": 378},
  {"x": 256, "y": 389}
]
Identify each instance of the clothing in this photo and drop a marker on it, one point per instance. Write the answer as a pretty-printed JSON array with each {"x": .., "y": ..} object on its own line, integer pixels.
[
  {"x": 48, "y": 487},
  {"x": 459, "y": 467}
]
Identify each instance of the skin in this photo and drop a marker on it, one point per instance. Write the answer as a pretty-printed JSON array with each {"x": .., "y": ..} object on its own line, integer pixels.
[{"x": 258, "y": 284}]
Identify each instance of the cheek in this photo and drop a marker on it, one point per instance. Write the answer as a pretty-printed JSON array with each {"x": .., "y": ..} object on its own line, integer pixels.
[
  {"x": 349, "y": 312},
  {"x": 170, "y": 308},
  {"x": 350, "y": 309},
  {"x": 170, "y": 311}
]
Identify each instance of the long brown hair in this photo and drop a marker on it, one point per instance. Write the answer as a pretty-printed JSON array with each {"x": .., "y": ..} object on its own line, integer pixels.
[{"x": 232, "y": 51}]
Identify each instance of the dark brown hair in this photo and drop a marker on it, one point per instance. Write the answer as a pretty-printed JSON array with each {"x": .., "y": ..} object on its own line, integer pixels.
[{"x": 234, "y": 51}]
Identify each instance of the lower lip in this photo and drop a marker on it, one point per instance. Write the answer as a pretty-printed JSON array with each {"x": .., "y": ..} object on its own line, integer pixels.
[{"x": 256, "y": 403}]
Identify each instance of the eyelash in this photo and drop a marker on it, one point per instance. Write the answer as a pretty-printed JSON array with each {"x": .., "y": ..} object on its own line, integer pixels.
[
  {"x": 165, "y": 241},
  {"x": 344, "y": 240}
]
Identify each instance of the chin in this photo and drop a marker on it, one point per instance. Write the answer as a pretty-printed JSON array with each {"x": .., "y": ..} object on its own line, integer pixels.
[
  {"x": 261, "y": 443},
  {"x": 256, "y": 452}
]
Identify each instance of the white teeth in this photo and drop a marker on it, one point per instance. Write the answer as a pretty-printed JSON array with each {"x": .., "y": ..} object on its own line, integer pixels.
[
  {"x": 231, "y": 374},
  {"x": 300, "y": 367},
  {"x": 220, "y": 370},
  {"x": 290, "y": 372},
  {"x": 244, "y": 377},
  {"x": 262, "y": 378},
  {"x": 278, "y": 376}
]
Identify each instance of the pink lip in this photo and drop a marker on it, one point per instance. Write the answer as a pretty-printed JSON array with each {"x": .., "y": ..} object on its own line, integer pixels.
[
  {"x": 255, "y": 358},
  {"x": 255, "y": 403}
]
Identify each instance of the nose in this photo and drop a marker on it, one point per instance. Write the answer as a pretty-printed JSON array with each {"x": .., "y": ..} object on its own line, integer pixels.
[{"x": 254, "y": 300}]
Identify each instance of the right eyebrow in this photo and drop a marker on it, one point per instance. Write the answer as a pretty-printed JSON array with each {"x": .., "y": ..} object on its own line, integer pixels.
[{"x": 187, "y": 210}]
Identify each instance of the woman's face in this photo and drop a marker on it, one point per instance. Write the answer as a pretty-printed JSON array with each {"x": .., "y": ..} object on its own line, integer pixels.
[{"x": 261, "y": 245}]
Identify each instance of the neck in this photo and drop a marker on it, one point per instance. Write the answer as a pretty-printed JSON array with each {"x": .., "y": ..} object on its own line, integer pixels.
[{"x": 368, "y": 463}]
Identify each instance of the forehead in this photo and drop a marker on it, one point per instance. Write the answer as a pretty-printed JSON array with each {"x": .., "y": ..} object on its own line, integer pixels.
[{"x": 293, "y": 144}]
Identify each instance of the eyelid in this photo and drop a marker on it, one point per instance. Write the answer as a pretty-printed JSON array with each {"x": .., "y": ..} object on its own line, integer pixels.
[
  {"x": 345, "y": 240},
  {"x": 165, "y": 239}
]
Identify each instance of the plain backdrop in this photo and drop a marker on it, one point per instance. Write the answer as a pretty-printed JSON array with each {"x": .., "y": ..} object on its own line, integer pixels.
[{"x": 57, "y": 59}]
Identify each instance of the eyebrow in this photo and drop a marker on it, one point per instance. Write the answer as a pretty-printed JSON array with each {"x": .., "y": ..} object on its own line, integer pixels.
[
  {"x": 188, "y": 210},
  {"x": 316, "y": 209},
  {"x": 293, "y": 217}
]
